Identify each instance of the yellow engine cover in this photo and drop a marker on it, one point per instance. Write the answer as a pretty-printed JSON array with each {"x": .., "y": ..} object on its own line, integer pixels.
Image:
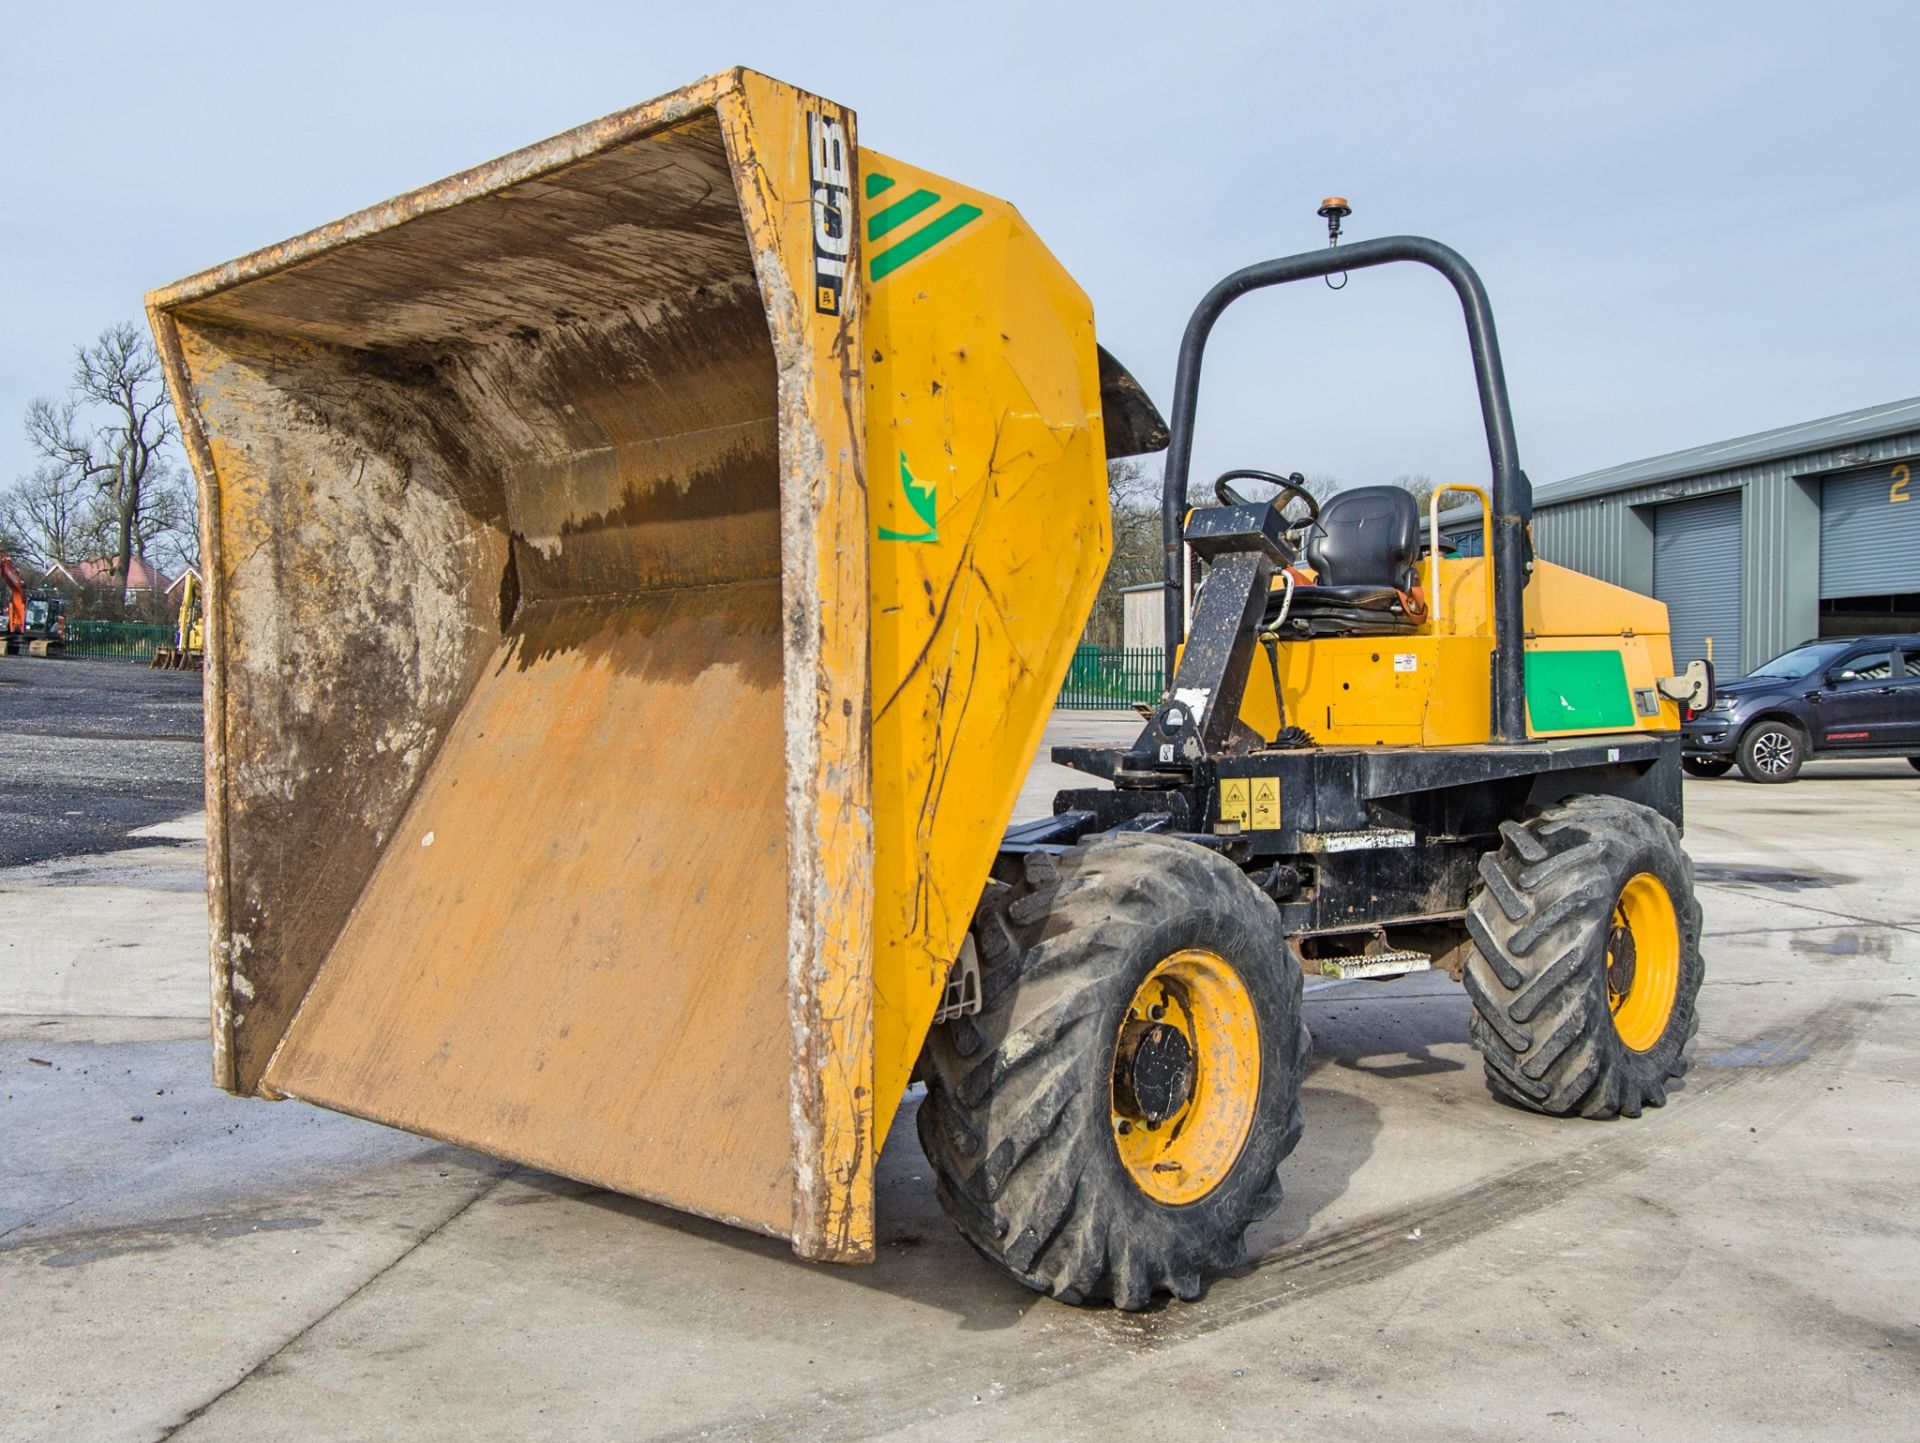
[{"x": 1595, "y": 653}]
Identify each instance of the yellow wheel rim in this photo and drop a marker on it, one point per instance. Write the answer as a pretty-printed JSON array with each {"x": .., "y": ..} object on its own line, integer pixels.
[
  {"x": 1186, "y": 1077},
  {"x": 1643, "y": 961}
]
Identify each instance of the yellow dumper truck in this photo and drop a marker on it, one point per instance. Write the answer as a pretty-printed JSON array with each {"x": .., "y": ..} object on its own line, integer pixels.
[{"x": 638, "y": 572}]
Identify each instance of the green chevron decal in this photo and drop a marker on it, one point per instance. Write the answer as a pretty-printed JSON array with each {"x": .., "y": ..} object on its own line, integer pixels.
[
  {"x": 923, "y": 497},
  {"x": 903, "y": 212}
]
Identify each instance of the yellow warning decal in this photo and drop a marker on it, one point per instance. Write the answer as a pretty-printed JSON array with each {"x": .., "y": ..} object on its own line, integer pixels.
[
  {"x": 1266, "y": 804},
  {"x": 1253, "y": 802}
]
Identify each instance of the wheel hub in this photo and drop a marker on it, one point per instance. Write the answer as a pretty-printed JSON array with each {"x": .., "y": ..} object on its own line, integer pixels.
[
  {"x": 1186, "y": 1077},
  {"x": 1643, "y": 961},
  {"x": 1620, "y": 964},
  {"x": 1153, "y": 1073}
]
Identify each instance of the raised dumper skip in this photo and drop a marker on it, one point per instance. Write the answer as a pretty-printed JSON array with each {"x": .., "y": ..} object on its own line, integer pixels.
[{"x": 638, "y": 572}]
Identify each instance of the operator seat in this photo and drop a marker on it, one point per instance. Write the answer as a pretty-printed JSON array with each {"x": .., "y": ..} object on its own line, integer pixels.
[{"x": 1365, "y": 553}]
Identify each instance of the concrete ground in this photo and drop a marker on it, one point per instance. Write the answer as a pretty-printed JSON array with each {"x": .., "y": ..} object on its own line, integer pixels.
[{"x": 1744, "y": 1263}]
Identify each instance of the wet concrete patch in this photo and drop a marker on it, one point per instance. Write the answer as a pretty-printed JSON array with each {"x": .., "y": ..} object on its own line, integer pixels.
[
  {"x": 1848, "y": 943},
  {"x": 1760, "y": 1052},
  {"x": 1773, "y": 879},
  {"x": 155, "y": 1236}
]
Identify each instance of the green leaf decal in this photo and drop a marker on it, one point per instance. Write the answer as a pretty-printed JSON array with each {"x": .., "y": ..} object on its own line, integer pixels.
[{"x": 923, "y": 497}]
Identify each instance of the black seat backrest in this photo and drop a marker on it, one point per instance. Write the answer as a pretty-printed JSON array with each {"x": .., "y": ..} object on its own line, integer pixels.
[{"x": 1369, "y": 536}]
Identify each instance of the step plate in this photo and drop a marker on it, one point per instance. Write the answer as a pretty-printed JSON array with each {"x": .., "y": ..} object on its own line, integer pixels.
[{"x": 1378, "y": 964}]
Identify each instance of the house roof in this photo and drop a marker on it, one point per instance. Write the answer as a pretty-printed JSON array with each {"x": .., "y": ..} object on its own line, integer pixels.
[{"x": 142, "y": 574}]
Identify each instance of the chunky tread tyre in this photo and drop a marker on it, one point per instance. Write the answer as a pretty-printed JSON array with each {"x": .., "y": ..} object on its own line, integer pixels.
[
  {"x": 1765, "y": 740},
  {"x": 1537, "y": 977},
  {"x": 1017, "y": 1119}
]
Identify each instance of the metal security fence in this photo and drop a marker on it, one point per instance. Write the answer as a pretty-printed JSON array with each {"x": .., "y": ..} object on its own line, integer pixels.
[
  {"x": 1112, "y": 678},
  {"x": 117, "y": 640}
]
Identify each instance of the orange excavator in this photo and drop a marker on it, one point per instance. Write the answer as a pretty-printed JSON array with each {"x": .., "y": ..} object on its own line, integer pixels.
[{"x": 36, "y": 621}]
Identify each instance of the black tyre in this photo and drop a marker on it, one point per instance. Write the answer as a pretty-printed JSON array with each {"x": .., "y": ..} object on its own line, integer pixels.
[
  {"x": 1772, "y": 751},
  {"x": 1112, "y": 1121},
  {"x": 1914, "y": 762},
  {"x": 1586, "y": 966},
  {"x": 1705, "y": 766}
]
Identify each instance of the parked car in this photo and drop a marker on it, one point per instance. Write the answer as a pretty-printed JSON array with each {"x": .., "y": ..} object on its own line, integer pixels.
[{"x": 1840, "y": 696}]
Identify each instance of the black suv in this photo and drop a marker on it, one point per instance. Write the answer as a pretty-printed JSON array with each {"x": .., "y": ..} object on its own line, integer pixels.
[{"x": 1840, "y": 696}]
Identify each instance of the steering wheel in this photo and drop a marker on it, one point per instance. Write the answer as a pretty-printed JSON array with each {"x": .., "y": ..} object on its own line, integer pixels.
[{"x": 1292, "y": 488}]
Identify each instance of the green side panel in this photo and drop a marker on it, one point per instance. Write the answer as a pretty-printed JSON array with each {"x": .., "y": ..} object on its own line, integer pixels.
[{"x": 1577, "y": 691}]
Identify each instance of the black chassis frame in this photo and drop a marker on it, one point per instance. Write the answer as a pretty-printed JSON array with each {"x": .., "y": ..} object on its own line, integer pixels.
[
  {"x": 1369, "y": 838},
  {"x": 1355, "y": 840}
]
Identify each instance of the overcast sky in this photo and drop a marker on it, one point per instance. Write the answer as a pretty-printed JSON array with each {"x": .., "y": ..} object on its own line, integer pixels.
[{"x": 1694, "y": 221}]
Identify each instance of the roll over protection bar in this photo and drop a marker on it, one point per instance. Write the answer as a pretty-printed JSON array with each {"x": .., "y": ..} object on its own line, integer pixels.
[{"x": 1512, "y": 492}]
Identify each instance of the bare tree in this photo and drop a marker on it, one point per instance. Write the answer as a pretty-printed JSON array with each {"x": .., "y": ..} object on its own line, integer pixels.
[
  {"x": 110, "y": 435},
  {"x": 1133, "y": 496},
  {"x": 48, "y": 516},
  {"x": 1422, "y": 487},
  {"x": 1320, "y": 485},
  {"x": 170, "y": 524},
  {"x": 13, "y": 541}
]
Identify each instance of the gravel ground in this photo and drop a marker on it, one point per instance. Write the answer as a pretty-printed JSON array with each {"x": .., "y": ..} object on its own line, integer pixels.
[{"x": 92, "y": 750}]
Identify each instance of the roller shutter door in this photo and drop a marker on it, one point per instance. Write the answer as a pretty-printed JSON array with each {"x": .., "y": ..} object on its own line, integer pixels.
[
  {"x": 1870, "y": 532},
  {"x": 1696, "y": 571}
]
